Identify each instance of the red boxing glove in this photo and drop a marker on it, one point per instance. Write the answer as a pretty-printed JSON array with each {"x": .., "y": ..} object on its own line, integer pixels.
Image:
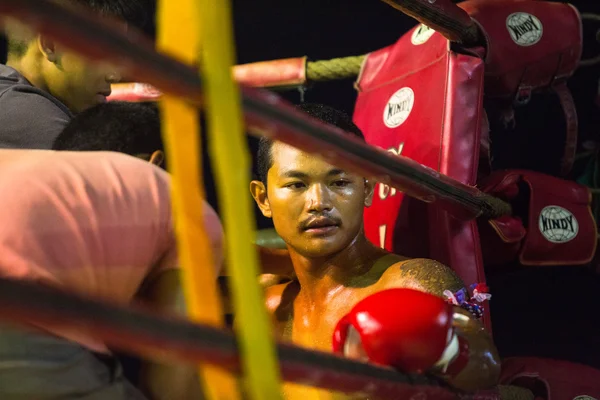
[{"x": 406, "y": 329}]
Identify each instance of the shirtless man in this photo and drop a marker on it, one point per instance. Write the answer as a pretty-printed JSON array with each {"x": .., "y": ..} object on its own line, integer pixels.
[{"x": 317, "y": 209}]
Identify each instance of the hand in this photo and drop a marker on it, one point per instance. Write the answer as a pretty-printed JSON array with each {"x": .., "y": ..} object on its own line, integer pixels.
[{"x": 403, "y": 328}]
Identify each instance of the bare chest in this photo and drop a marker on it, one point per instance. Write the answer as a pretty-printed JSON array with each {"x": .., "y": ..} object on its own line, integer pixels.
[{"x": 312, "y": 325}]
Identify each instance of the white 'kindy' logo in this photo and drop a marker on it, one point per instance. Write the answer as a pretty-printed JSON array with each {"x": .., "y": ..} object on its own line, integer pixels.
[
  {"x": 421, "y": 34},
  {"x": 398, "y": 107},
  {"x": 524, "y": 29},
  {"x": 557, "y": 224},
  {"x": 584, "y": 397}
]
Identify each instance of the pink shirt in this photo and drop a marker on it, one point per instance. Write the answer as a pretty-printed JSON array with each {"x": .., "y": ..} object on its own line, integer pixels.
[{"x": 97, "y": 223}]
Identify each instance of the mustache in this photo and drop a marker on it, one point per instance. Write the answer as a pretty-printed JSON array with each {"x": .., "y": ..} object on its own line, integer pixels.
[{"x": 322, "y": 219}]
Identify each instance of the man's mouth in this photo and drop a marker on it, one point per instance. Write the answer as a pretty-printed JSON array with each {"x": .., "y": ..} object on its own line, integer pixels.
[
  {"x": 101, "y": 96},
  {"x": 321, "y": 225}
]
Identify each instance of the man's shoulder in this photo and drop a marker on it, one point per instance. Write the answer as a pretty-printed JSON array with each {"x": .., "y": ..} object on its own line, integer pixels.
[
  {"x": 30, "y": 117},
  {"x": 97, "y": 175},
  {"x": 10, "y": 76},
  {"x": 421, "y": 273},
  {"x": 279, "y": 298},
  {"x": 21, "y": 93}
]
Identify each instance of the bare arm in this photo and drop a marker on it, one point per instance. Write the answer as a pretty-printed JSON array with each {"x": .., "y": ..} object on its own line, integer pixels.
[
  {"x": 162, "y": 381},
  {"x": 483, "y": 368}
]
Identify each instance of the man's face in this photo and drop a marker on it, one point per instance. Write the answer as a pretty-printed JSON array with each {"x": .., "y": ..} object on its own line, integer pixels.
[
  {"x": 316, "y": 208},
  {"x": 78, "y": 83}
]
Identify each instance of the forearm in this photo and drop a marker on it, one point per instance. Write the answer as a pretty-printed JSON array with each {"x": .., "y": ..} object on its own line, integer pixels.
[
  {"x": 167, "y": 381},
  {"x": 482, "y": 368},
  {"x": 159, "y": 380}
]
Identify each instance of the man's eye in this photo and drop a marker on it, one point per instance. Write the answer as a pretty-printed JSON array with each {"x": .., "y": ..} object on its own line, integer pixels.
[
  {"x": 341, "y": 183},
  {"x": 295, "y": 185}
]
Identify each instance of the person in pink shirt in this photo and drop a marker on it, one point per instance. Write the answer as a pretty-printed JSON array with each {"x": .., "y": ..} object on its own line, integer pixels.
[
  {"x": 135, "y": 129},
  {"x": 97, "y": 224}
]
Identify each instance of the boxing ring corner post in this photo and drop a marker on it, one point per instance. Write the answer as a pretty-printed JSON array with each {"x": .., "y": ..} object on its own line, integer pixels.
[{"x": 443, "y": 16}]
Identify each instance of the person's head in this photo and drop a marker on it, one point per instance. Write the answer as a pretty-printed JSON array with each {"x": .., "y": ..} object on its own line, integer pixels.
[
  {"x": 317, "y": 208},
  {"x": 130, "y": 128},
  {"x": 79, "y": 84}
]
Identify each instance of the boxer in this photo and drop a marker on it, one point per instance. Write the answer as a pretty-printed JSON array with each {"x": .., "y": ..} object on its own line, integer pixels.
[{"x": 376, "y": 305}]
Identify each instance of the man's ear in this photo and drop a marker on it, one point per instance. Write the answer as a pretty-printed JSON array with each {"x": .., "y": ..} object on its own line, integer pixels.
[
  {"x": 259, "y": 192},
  {"x": 369, "y": 190},
  {"x": 47, "y": 48},
  {"x": 157, "y": 158}
]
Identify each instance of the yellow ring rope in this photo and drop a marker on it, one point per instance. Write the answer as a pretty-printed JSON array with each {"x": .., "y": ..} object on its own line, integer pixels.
[
  {"x": 230, "y": 158},
  {"x": 179, "y": 36}
]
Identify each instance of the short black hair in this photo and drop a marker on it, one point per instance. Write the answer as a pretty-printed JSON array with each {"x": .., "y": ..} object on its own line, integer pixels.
[
  {"x": 330, "y": 115},
  {"x": 130, "y": 128},
  {"x": 133, "y": 12}
]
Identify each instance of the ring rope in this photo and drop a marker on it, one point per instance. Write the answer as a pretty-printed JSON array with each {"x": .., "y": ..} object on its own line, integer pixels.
[
  {"x": 266, "y": 113},
  {"x": 334, "y": 69},
  {"x": 349, "y": 67},
  {"x": 155, "y": 336},
  {"x": 178, "y": 35},
  {"x": 230, "y": 158},
  {"x": 161, "y": 337}
]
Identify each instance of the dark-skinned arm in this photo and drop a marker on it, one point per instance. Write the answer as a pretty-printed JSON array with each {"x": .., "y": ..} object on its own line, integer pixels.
[
  {"x": 482, "y": 370},
  {"x": 164, "y": 381}
]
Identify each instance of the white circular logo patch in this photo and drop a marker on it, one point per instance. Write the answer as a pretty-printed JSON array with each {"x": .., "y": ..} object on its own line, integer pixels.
[
  {"x": 558, "y": 225},
  {"x": 421, "y": 34},
  {"x": 584, "y": 397},
  {"x": 524, "y": 29},
  {"x": 398, "y": 107}
]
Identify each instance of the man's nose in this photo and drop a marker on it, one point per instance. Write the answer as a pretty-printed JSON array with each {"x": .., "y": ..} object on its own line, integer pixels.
[
  {"x": 113, "y": 77},
  {"x": 319, "y": 198}
]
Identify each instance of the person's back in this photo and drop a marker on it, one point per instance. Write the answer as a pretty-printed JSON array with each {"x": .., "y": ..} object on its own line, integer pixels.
[
  {"x": 43, "y": 84},
  {"x": 94, "y": 223},
  {"x": 97, "y": 224}
]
